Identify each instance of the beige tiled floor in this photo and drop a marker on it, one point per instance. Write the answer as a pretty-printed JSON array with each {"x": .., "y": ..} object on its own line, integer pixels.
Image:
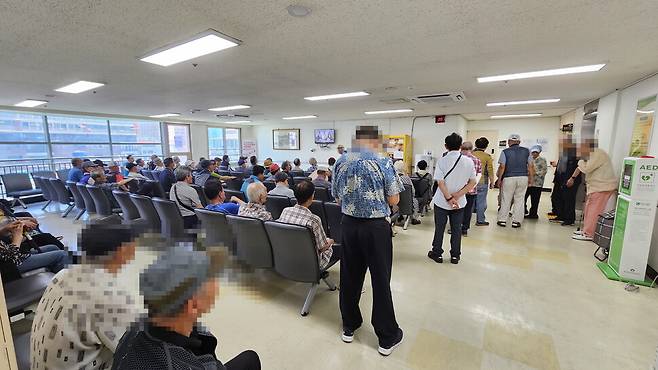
[{"x": 528, "y": 298}]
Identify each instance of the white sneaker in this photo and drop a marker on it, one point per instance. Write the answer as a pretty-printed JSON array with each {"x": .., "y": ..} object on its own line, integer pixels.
[
  {"x": 578, "y": 232},
  {"x": 582, "y": 237}
]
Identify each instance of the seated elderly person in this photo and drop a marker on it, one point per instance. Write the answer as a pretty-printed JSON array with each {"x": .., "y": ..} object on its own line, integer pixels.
[
  {"x": 257, "y": 193},
  {"x": 86, "y": 308},
  {"x": 50, "y": 256},
  {"x": 216, "y": 198},
  {"x": 313, "y": 164},
  {"x": 322, "y": 178},
  {"x": 33, "y": 238},
  {"x": 133, "y": 171},
  {"x": 114, "y": 172},
  {"x": 178, "y": 288},
  {"x": 299, "y": 214},
  {"x": 185, "y": 196},
  {"x": 401, "y": 171},
  {"x": 274, "y": 169},
  {"x": 282, "y": 187}
]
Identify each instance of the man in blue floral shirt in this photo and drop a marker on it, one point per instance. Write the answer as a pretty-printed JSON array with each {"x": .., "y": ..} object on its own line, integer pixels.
[{"x": 365, "y": 184}]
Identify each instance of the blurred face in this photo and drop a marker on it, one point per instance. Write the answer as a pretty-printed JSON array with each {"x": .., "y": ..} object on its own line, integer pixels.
[
  {"x": 535, "y": 154},
  {"x": 204, "y": 300},
  {"x": 131, "y": 159},
  {"x": 212, "y": 167},
  {"x": 373, "y": 144},
  {"x": 114, "y": 168},
  {"x": 189, "y": 179},
  {"x": 341, "y": 149},
  {"x": 222, "y": 196}
]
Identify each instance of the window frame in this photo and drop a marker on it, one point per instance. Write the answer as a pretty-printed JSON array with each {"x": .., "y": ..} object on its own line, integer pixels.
[{"x": 224, "y": 140}]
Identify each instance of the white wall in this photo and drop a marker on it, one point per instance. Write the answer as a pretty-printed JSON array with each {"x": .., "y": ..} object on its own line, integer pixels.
[
  {"x": 528, "y": 128},
  {"x": 426, "y": 135}
]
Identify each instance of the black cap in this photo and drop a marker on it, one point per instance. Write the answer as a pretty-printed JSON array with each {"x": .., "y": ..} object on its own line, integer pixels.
[
  {"x": 99, "y": 162},
  {"x": 102, "y": 239},
  {"x": 130, "y": 165}
]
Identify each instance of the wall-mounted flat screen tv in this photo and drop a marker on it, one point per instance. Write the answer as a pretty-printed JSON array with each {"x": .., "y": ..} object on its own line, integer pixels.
[{"x": 325, "y": 136}]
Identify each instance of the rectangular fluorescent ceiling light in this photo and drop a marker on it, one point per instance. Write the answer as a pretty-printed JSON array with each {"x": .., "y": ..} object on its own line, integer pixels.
[
  {"x": 516, "y": 115},
  {"x": 546, "y": 73},
  {"x": 337, "y": 96},
  {"x": 205, "y": 43},
  {"x": 389, "y": 111},
  {"x": 30, "y": 103},
  {"x": 521, "y": 102},
  {"x": 232, "y": 107},
  {"x": 80, "y": 86},
  {"x": 300, "y": 117},
  {"x": 165, "y": 115},
  {"x": 242, "y": 121}
]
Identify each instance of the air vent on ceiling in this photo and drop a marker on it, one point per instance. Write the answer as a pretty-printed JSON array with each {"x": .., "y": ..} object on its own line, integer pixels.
[
  {"x": 232, "y": 115},
  {"x": 439, "y": 98},
  {"x": 395, "y": 100}
]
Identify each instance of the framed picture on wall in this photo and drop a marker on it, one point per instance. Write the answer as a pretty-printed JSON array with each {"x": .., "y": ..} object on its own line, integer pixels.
[{"x": 285, "y": 139}]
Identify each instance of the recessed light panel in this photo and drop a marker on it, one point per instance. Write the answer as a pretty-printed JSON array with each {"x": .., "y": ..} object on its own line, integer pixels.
[
  {"x": 205, "y": 43},
  {"x": 30, "y": 103},
  {"x": 499, "y": 116},
  {"x": 165, "y": 115},
  {"x": 521, "y": 102},
  {"x": 337, "y": 96},
  {"x": 80, "y": 86},
  {"x": 545, "y": 73},
  {"x": 232, "y": 107},
  {"x": 235, "y": 122},
  {"x": 389, "y": 111},
  {"x": 300, "y": 117}
]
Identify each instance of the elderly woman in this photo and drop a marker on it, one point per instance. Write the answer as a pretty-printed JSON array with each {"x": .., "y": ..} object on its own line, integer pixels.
[
  {"x": 159, "y": 165},
  {"x": 185, "y": 196},
  {"x": 601, "y": 184},
  {"x": 257, "y": 195},
  {"x": 50, "y": 256},
  {"x": 400, "y": 169},
  {"x": 314, "y": 164}
]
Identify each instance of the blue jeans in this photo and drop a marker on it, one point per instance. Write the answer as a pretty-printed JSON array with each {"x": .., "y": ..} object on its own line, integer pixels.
[
  {"x": 481, "y": 202},
  {"x": 51, "y": 257}
]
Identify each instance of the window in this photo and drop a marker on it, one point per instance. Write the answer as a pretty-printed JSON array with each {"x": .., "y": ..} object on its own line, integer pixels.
[
  {"x": 223, "y": 141},
  {"x": 120, "y": 151},
  {"x": 23, "y": 151},
  {"x": 142, "y": 132},
  {"x": 66, "y": 129},
  {"x": 90, "y": 151},
  {"x": 21, "y": 127},
  {"x": 179, "y": 138}
]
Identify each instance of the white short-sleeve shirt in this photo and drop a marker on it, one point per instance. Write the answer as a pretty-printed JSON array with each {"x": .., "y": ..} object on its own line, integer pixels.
[{"x": 457, "y": 179}]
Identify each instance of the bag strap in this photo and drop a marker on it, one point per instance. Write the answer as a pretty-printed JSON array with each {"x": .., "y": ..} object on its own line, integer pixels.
[
  {"x": 453, "y": 167},
  {"x": 179, "y": 201}
]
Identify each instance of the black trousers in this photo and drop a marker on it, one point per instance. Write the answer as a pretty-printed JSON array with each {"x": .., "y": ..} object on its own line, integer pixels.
[
  {"x": 441, "y": 217},
  {"x": 556, "y": 199},
  {"x": 190, "y": 222},
  {"x": 468, "y": 211},
  {"x": 567, "y": 203},
  {"x": 534, "y": 193},
  {"x": 367, "y": 244},
  {"x": 247, "y": 360}
]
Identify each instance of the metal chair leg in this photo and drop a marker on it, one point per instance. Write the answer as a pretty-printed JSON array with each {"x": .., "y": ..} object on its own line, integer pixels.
[
  {"x": 329, "y": 283},
  {"x": 406, "y": 222},
  {"x": 309, "y": 299},
  {"x": 77, "y": 217},
  {"x": 68, "y": 210},
  {"x": 46, "y": 205}
]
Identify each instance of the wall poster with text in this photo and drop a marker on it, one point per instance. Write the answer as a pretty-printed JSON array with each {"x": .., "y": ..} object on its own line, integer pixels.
[{"x": 644, "y": 117}]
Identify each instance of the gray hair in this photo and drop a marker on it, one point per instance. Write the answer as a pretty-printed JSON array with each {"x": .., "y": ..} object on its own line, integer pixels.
[
  {"x": 255, "y": 191},
  {"x": 313, "y": 161},
  {"x": 467, "y": 145},
  {"x": 182, "y": 172}
]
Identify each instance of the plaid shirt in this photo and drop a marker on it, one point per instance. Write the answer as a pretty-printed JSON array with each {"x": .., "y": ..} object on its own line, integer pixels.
[
  {"x": 478, "y": 169},
  {"x": 299, "y": 215},
  {"x": 255, "y": 210}
]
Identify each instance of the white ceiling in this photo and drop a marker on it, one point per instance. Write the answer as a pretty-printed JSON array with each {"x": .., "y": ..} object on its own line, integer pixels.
[{"x": 389, "y": 48}]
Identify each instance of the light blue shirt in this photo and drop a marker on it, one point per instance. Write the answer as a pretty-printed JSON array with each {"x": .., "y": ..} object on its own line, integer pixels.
[
  {"x": 362, "y": 182},
  {"x": 245, "y": 184}
]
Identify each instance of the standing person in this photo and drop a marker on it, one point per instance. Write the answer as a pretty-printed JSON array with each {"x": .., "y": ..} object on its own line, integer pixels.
[
  {"x": 601, "y": 185},
  {"x": 85, "y": 309},
  {"x": 471, "y": 196},
  {"x": 185, "y": 196},
  {"x": 564, "y": 200},
  {"x": 455, "y": 176},
  {"x": 535, "y": 188},
  {"x": 75, "y": 173},
  {"x": 341, "y": 150},
  {"x": 515, "y": 172},
  {"x": 366, "y": 186},
  {"x": 486, "y": 181}
]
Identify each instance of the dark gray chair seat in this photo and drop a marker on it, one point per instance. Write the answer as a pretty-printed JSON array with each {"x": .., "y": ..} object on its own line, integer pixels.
[
  {"x": 253, "y": 244},
  {"x": 423, "y": 187},
  {"x": 45, "y": 173},
  {"x": 276, "y": 203},
  {"x": 317, "y": 208},
  {"x": 63, "y": 174},
  {"x": 40, "y": 183},
  {"x": 334, "y": 217},
  {"x": 296, "y": 257},
  {"x": 25, "y": 291},
  {"x": 269, "y": 185},
  {"x": 322, "y": 194},
  {"x": 201, "y": 193},
  {"x": 230, "y": 193},
  {"x": 101, "y": 201},
  {"x": 147, "y": 212},
  {"x": 129, "y": 211},
  {"x": 406, "y": 205},
  {"x": 63, "y": 195},
  {"x": 217, "y": 230},
  {"x": 22, "y": 349},
  {"x": 18, "y": 185},
  {"x": 90, "y": 206},
  {"x": 234, "y": 184},
  {"x": 157, "y": 189},
  {"x": 172, "y": 220},
  {"x": 78, "y": 200}
]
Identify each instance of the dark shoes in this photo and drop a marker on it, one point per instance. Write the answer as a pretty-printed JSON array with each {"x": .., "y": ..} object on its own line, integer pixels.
[
  {"x": 567, "y": 223},
  {"x": 454, "y": 260},
  {"x": 531, "y": 217},
  {"x": 516, "y": 225},
  {"x": 485, "y": 223},
  {"x": 415, "y": 222},
  {"x": 501, "y": 223},
  {"x": 464, "y": 233},
  {"x": 388, "y": 349},
  {"x": 348, "y": 335},
  {"x": 435, "y": 256}
]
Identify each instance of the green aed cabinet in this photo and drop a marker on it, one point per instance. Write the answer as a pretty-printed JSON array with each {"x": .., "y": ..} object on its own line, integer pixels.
[{"x": 634, "y": 221}]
